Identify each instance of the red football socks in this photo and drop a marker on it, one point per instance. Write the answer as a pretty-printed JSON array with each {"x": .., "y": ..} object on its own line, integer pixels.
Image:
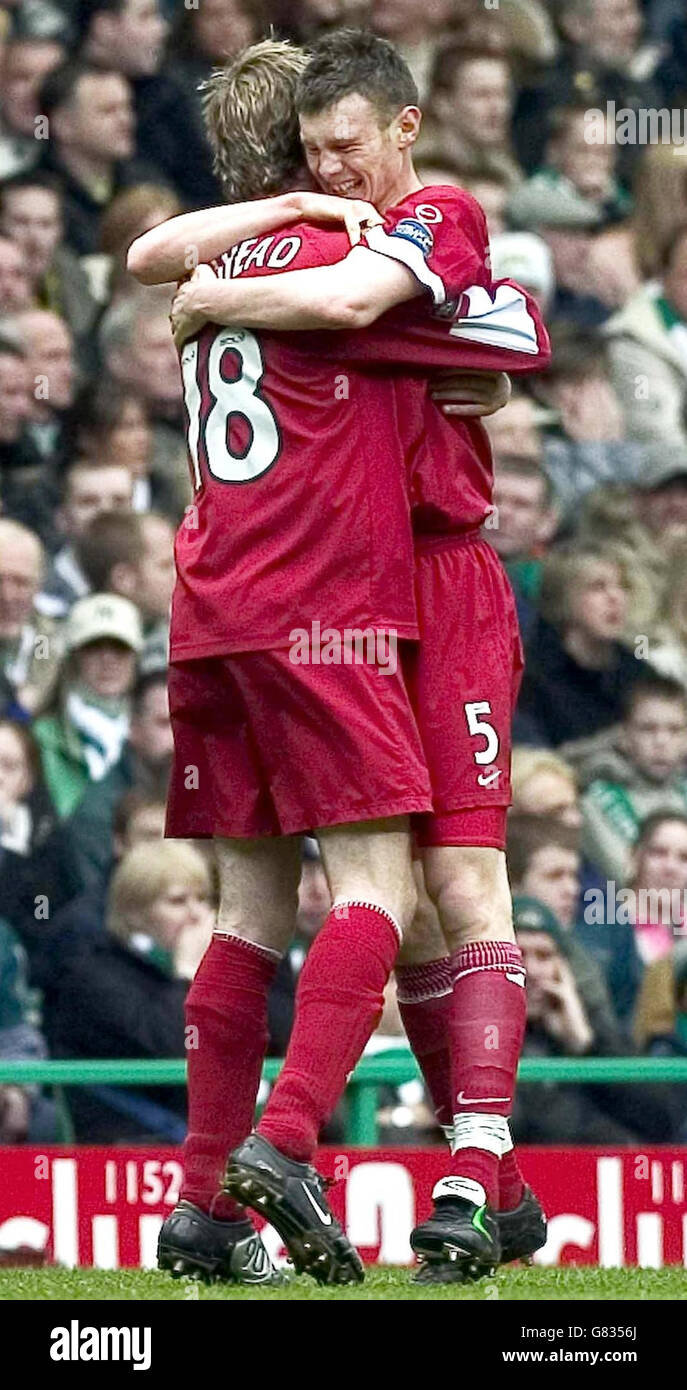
[
  {"x": 226, "y": 1031},
  {"x": 511, "y": 1182},
  {"x": 425, "y": 1003},
  {"x": 339, "y": 1002},
  {"x": 487, "y": 1025}
]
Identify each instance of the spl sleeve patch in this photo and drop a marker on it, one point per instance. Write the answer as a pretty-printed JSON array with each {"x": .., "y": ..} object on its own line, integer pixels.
[{"x": 415, "y": 232}]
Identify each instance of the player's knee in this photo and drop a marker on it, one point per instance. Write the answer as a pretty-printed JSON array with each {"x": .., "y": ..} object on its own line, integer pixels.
[
  {"x": 473, "y": 898},
  {"x": 423, "y": 940}
]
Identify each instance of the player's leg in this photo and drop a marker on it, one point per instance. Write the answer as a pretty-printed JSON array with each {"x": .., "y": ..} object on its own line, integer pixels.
[
  {"x": 424, "y": 989},
  {"x": 371, "y": 757},
  {"x": 216, "y": 787}
]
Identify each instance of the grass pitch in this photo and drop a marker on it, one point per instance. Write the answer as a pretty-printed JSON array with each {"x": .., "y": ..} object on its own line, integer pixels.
[{"x": 381, "y": 1284}]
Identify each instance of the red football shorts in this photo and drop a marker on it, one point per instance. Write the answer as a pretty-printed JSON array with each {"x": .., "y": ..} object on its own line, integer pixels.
[
  {"x": 463, "y": 679},
  {"x": 263, "y": 746}
]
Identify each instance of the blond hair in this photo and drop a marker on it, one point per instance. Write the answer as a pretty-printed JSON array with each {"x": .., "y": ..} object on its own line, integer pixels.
[
  {"x": 251, "y": 119},
  {"x": 530, "y": 762},
  {"x": 144, "y": 874},
  {"x": 565, "y": 566},
  {"x": 660, "y": 194}
]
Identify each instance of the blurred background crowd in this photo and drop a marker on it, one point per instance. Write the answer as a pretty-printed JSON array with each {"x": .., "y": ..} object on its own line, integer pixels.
[{"x": 101, "y": 922}]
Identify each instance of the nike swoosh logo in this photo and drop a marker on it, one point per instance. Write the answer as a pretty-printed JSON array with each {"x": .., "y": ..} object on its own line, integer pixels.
[
  {"x": 486, "y": 779},
  {"x": 325, "y": 1216},
  {"x": 481, "y": 1100}
]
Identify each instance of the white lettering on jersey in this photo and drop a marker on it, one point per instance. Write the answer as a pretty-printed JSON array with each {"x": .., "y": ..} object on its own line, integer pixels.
[
  {"x": 255, "y": 252},
  {"x": 428, "y": 214}
]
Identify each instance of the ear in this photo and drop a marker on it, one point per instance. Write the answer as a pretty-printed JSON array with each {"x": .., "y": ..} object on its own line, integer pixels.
[{"x": 408, "y": 124}]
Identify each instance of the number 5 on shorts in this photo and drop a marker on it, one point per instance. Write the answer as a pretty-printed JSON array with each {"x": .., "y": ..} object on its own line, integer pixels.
[{"x": 481, "y": 726}]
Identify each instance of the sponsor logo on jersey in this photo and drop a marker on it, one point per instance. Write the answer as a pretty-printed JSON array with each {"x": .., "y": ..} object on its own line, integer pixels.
[
  {"x": 416, "y": 232},
  {"x": 489, "y": 779},
  {"x": 428, "y": 214}
]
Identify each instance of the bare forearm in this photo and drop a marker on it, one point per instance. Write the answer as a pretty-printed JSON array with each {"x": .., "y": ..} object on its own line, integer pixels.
[
  {"x": 176, "y": 247},
  {"x": 296, "y": 300}
]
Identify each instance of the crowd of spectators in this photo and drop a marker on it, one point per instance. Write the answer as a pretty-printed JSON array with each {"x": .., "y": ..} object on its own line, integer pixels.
[{"x": 101, "y": 137}]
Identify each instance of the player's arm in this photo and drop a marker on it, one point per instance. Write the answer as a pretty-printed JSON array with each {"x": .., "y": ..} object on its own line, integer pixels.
[
  {"x": 174, "y": 248},
  {"x": 351, "y": 293}
]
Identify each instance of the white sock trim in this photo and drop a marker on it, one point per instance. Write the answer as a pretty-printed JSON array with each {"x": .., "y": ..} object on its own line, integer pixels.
[
  {"x": 227, "y": 935},
  {"x": 467, "y": 1188},
  {"x": 375, "y": 907}
]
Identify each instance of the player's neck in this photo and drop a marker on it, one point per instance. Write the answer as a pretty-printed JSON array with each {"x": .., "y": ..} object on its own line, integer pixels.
[{"x": 407, "y": 183}]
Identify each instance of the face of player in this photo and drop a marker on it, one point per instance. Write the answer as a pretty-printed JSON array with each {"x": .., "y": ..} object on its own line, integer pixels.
[
  {"x": 106, "y": 667},
  {"x": 15, "y": 773},
  {"x": 180, "y": 908},
  {"x": 151, "y": 731},
  {"x": 99, "y": 121},
  {"x": 94, "y": 490},
  {"x": 32, "y": 218},
  {"x": 15, "y": 290},
  {"x": 553, "y": 876},
  {"x": 542, "y": 962},
  {"x": 655, "y": 737},
  {"x": 15, "y": 397},
  {"x": 352, "y": 154},
  {"x": 156, "y": 572},
  {"x": 520, "y": 502},
  {"x": 551, "y": 796},
  {"x": 25, "y": 66},
  {"x": 20, "y": 577},
  {"x": 661, "y": 862},
  {"x": 598, "y": 602},
  {"x": 480, "y": 106}
]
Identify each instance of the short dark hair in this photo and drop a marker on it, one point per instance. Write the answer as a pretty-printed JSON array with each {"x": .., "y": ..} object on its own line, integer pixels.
[
  {"x": 653, "y": 821},
  {"x": 452, "y": 57},
  {"x": 652, "y": 685},
  {"x": 111, "y": 538},
  {"x": 59, "y": 87},
  {"x": 528, "y": 834},
  {"x": 355, "y": 61},
  {"x": 30, "y": 178}
]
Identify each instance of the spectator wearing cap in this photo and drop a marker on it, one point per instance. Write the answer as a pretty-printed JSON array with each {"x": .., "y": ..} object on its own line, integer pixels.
[
  {"x": 30, "y": 645},
  {"x": 578, "y": 667},
  {"x": 25, "y": 60},
  {"x": 648, "y": 352},
  {"x": 92, "y": 145},
  {"x": 31, "y": 214},
  {"x": 644, "y": 770},
  {"x": 144, "y": 765},
  {"x": 128, "y": 37},
  {"x": 89, "y": 486},
  {"x": 559, "y": 1025},
  {"x": 525, "y": 257},
  {"x": 83, "y": 730},
  {"x": 123, "y": 994}
]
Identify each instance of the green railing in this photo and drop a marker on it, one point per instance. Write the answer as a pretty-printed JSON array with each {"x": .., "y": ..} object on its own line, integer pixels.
[{"x": 384, "y": 1069}]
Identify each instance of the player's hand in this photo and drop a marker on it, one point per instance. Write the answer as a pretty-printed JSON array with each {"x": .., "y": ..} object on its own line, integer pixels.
[
  {"x": 356, "y": 215},
  {"x": 470, "y": 394},
  {"x": 188, "y": 313}
]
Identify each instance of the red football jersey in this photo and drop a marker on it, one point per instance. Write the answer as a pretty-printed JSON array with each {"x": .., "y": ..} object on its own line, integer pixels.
[
  {"x": 465, "y": 321},
  {"x": 301, "y": 507}
]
